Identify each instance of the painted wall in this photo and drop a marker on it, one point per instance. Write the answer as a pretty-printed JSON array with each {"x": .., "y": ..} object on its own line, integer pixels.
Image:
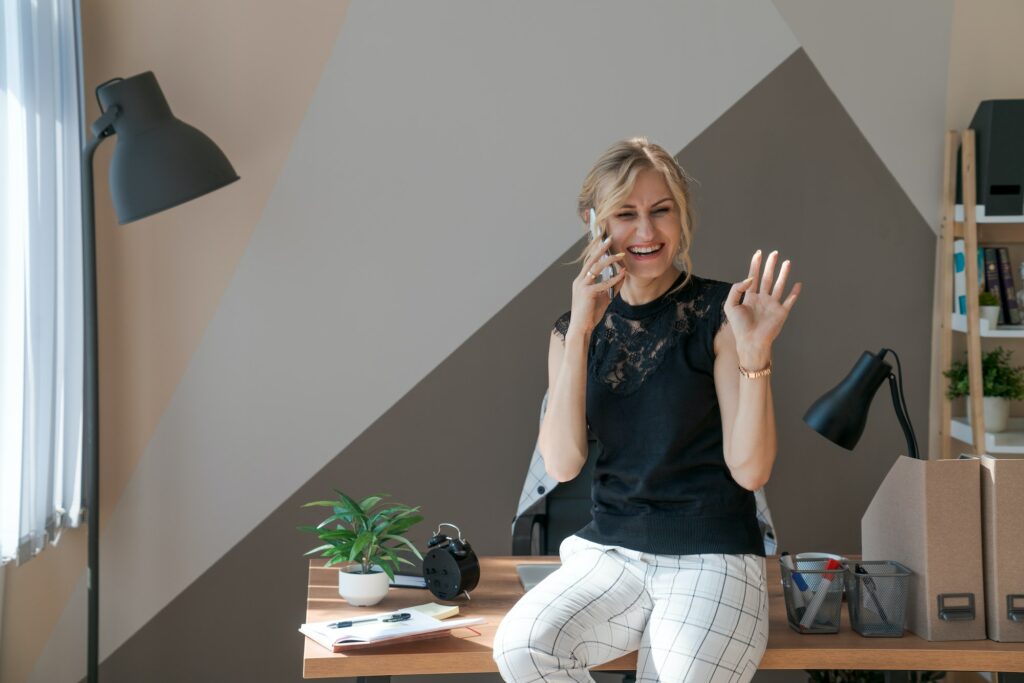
[{"x": 368, "y": 307}]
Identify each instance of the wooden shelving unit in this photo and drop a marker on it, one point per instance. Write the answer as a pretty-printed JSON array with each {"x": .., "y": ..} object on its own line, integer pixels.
[{"x": 969, "y": 222}]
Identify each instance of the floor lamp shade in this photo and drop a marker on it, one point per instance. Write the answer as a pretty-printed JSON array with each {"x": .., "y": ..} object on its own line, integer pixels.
[
  {"x": 840, "y": 415},
  {"x": 159, "y": 161}
]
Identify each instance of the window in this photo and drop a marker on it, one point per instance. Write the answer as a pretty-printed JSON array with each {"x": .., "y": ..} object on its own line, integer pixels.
[{"x": 41, "y": 345}]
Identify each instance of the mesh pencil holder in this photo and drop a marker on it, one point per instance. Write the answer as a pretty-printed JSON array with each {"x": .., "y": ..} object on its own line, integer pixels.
[
  {"x": 876, "y": 592},
  {"x": 818, "y": 610}
]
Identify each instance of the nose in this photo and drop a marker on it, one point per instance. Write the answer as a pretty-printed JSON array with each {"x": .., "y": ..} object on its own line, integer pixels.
[{"x": 644, "y": 228}]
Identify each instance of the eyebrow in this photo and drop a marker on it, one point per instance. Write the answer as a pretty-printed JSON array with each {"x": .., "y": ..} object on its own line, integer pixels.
[{"x": 630, "y": 206}]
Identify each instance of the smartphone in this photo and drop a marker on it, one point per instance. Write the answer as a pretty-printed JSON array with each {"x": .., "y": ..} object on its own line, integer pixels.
[{"x": 611, "y": 270}]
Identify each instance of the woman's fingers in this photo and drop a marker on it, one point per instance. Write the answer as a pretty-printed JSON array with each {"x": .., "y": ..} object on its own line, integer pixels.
[
  {"x": 595, "y": 268},
  {"x": 780, "y": 284},
  {"x": 769, "y": 273},
  {"x": 620, "y": 273},
  {"x": 604, "y": 285},
  {"x": 755, "y": 268},
  {"x": 791, "y": 299},
  {"x": 596, "y": 256}
]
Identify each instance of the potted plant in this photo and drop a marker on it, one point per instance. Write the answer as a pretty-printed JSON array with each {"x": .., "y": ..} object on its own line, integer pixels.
[
  {"x": 988, "y": 303},
  {"x": 357, "y": 534},
  {"x": 1001, "y": 383}
]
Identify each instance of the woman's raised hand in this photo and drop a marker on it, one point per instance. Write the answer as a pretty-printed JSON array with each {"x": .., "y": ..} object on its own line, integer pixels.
[
  {"x": 759, "y": 319},
  {"x": 590, "y": 298}
]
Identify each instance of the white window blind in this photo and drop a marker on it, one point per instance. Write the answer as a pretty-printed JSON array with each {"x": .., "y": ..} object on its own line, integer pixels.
[{"x": 41, "y": 342}]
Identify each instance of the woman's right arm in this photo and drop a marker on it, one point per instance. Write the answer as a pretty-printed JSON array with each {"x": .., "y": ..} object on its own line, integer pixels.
[{"x": 563, "y": 431}]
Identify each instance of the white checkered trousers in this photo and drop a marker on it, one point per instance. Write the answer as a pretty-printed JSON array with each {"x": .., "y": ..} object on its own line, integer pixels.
[{"x": 691, "y": 618}]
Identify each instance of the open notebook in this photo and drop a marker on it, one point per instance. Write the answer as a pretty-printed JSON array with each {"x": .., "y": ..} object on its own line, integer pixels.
[{"x": 369, "y": 634}]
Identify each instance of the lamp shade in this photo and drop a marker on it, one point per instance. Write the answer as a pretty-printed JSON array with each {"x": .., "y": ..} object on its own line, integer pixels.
[
  {"x": 840, "y": 415},
  {"x": 159, "y": 161}
]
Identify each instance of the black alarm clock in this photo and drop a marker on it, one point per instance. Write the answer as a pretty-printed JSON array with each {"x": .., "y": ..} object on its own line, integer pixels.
[{"x": 450, "y": 567}]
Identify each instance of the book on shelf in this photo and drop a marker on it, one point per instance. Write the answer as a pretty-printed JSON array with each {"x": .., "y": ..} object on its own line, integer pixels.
[
  {"x": 959, "y": 278},
  {"x": 1007, "y": 290},
  {"x": 992, "y": 277},
  {"x": 960, "y": 275},
  {"x": 334, "y": 635}
]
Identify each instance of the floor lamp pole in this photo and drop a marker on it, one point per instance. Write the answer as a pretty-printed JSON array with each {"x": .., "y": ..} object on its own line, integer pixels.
[{"x": 91, "y": 404}]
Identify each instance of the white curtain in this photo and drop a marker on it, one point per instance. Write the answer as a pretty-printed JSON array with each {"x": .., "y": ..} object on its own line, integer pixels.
[{"x": 41, "y": 336}]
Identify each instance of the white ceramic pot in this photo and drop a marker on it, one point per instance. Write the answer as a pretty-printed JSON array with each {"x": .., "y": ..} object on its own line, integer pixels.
[
  {"x": 996, "y": 410},
  {"x": 360, "y": 589},
  {"x": 991, "y": 314}
]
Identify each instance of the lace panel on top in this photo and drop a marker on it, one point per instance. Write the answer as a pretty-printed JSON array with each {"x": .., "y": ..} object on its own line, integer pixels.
[{"x": 624, "y": 352}]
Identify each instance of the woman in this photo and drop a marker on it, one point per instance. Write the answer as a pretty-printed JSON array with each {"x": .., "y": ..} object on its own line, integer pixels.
[{"x": 670, "y": 371}]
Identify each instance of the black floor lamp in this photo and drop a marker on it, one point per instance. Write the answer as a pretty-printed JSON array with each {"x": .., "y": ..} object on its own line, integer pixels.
[{"x": 159, "y": 162}]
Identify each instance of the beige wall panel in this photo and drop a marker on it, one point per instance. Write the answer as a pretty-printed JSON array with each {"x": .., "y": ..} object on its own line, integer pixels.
[
  {"x": 243, "y": 73},
  {"x": 985, "y": 54}
]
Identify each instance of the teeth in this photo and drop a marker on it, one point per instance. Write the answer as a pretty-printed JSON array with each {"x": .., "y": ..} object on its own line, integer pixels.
[{"x": 644, "y": 250}]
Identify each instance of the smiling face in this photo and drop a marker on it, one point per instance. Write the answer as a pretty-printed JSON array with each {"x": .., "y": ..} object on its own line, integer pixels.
[{"x": 646, "y": 226}]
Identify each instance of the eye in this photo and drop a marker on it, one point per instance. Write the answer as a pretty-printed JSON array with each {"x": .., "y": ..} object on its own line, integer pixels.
[
  {"x": 625, "y": 215},
  {"x": 661, "y": 210}
]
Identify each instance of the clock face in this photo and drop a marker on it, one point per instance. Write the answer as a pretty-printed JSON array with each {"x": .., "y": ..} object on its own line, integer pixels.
[{"x": 442, "y": 573}]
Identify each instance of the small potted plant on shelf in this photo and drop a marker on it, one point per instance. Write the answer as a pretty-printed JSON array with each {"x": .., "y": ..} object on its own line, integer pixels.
[
  {"x": 988, "y": 303},
  {"x": 1001, "y": 383},
  {"x": 356, "y": 534}
]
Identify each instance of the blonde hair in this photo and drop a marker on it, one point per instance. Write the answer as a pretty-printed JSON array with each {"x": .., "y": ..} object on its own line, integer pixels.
[{"x": 612, "y": 178}]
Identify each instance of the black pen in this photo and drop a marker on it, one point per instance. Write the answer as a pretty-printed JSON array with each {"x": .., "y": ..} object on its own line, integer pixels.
[
  {"x": 402, "y": 616},
  {"x": 869, "y": 583}
]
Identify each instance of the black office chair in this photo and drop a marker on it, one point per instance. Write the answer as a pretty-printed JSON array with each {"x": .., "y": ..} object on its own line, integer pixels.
[{"x": 559, "y": 514}]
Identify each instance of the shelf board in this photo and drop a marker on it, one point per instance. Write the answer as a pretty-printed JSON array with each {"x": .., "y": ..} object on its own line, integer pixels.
[
  {"x": 1010, "y": 441},
  {"x": 980, "y": 217},
  {"x": 1004, "y": 331}
]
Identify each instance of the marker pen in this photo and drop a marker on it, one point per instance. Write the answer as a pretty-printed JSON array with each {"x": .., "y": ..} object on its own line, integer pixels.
[
  {"x": 798, "y": 585},
  {"x": 819, "y": 595}
]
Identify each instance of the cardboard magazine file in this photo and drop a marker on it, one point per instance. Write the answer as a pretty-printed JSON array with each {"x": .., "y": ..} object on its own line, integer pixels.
[
  {"x": 1002, "y": 524},
  {"x": 927, "y": 515}
]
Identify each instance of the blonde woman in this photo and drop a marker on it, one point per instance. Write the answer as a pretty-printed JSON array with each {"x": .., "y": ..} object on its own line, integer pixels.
[{"x": 671, "y": 372}]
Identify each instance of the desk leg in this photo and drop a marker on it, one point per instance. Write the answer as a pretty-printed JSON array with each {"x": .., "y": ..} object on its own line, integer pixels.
[{"x": 373, "y": 679}]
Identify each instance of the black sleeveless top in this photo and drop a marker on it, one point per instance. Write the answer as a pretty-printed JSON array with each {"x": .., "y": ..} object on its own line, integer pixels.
[{"x": 661, "y": 484}]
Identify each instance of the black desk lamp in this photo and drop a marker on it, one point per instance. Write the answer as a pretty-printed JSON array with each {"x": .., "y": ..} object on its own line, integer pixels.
[
  {"x": 840, "y": 415},
  {"x": 159, "y": 162}
]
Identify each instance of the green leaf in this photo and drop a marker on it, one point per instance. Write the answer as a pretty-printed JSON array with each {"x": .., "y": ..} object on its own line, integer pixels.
[
  {"x": 392, "y": 537},
  {"x": 368, "y": 503},
  {"x": 319, "y": 548},
  {"x": 321, "y": 503},
  {"x": 352, "y": 506},
  {"x": 341, "y": 534},
  {"x": 361, "y": 542},
  {"x": 388, "y": 570},
  {"x": 402, "y": 525},
  {"x": 387, "y": 513}
]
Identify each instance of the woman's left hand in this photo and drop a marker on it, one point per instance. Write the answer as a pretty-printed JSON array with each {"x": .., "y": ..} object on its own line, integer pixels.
[{"x": 758, "y": 320}]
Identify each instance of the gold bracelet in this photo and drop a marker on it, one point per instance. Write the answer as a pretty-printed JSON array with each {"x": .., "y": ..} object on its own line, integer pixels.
[{"x": 754, "y": 374}]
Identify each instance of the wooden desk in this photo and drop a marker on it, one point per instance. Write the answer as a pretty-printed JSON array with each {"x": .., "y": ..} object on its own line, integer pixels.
[{"x": 499, "y": 589}]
